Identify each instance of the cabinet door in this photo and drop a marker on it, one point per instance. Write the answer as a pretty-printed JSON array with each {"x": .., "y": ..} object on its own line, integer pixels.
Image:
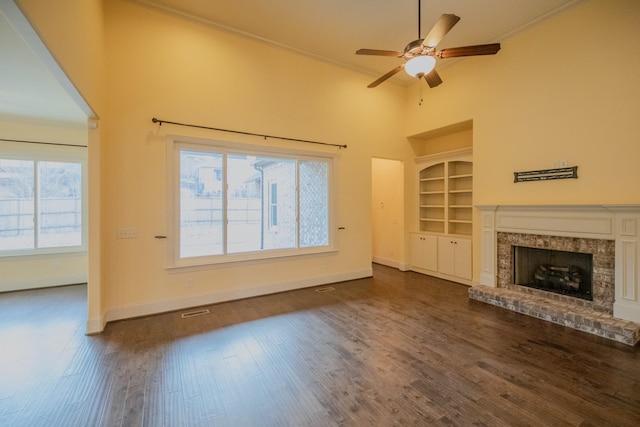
[
  {"x": 446, "y": 256},
  {"x": 454, "y": 257},
  {"x": 462, "y": 258},
  {"x": 424, "y": 252}
]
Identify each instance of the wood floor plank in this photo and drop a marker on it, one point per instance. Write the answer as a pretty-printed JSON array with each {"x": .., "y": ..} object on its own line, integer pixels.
[{"x": 399, "y": 348}]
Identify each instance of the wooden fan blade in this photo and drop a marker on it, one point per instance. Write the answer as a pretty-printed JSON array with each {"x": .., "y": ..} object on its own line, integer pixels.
[
  {"x": 481, "y": 49},
  {"x": 442, "y": 27},
  {"x": 433, "y": 78},
  {"x": 386, "y": 76},
  {"x": 379, "y": 52}
]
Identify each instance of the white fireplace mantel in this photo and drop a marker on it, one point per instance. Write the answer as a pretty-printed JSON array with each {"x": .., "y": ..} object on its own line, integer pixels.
[{"x": 611, "y": 222}]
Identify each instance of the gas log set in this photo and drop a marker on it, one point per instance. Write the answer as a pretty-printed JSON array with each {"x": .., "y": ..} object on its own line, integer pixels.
[{"x": 561, "y": 278}]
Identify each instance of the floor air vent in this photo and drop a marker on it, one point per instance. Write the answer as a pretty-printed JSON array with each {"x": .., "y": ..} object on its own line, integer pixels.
[
  {"x": 194, "y": 313},
  {"x": 326, "y": 289}
]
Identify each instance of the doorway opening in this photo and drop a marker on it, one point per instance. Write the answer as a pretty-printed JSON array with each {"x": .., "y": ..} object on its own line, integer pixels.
[{"x": 387, "y": 211}]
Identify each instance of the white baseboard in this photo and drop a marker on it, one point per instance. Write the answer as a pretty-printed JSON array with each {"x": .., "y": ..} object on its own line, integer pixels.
[
  {"x": 96, "y": 325},
  {"x": 488, "y": 279},
  {"x": 460, "y": 280},
  {"x": 404, "y": 266},
  {"x": 630, "y": 312},
  {"x": 394, "y": 263},
  {"x": 42, "y": 283}
]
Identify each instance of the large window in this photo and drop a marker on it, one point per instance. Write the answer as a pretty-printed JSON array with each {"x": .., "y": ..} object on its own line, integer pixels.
[
  {"x": 234, "y": 203},
  {"x": 41, "y": 203}
]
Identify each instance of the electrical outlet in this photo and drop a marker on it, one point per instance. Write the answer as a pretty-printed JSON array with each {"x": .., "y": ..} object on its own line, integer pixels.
[{"x": 127, "y": 233}]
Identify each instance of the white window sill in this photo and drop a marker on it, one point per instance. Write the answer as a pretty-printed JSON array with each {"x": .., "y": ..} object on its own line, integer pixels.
[{"x": 253, "y": 258}]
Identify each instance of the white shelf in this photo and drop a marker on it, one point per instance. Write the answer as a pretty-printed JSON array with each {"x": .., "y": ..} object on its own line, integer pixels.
[
  {"x": 466, "y": 175},
  {"x": 445, "y": 193}
]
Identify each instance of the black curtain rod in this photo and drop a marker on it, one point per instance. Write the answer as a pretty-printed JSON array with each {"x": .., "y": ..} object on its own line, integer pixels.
[
  {"x": 154, "y": 120},
  {"x": 43, "y": 143}
]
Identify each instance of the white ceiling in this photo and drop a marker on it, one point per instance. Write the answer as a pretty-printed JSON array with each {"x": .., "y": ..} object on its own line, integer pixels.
[{"x": 331, "y": 30}]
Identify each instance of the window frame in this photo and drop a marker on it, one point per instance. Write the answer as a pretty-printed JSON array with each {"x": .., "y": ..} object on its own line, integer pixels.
[
  {"x": 50, "y": 153},
  {"x": 175, "y": 143}
]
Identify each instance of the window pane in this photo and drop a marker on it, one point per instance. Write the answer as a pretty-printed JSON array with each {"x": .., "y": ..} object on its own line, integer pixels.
[
  {"x": 60, "y": 206},
  {"x": 16, "y": 204},
  {"x": 273, "y": 204},
  {"x": 249, "y": 206},
  {"x": 201, "y": 227},
  {"x": 314, "y": 203}
]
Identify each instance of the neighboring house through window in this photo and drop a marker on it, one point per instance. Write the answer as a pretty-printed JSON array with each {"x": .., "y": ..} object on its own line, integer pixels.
[{"x": 237, "y": 202}]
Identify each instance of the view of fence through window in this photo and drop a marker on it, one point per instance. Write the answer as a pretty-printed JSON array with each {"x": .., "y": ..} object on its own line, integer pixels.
[
  {"x": 262, "y": 203},
  {"x": 40, "y": 204}
]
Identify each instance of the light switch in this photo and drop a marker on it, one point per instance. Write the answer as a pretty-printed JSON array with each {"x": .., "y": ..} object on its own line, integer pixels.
[{"x": 127, "y": 233}]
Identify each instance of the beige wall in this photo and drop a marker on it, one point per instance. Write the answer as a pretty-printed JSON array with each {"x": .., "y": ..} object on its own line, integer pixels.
[
  {"x": 445, "y": 139},
  {"x": 173, "y": 69},
  {"x": 39, "y": 271},
  {"x": 564, "y": 89},
  {"x": 27, "y": 130}
]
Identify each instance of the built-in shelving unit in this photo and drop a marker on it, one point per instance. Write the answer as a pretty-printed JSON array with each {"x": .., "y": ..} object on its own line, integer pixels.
[
  {"x": 446, "y": 192},
  {"x": 442, "y": 245},
  {"x": 432, "y": 198},
  {"x": 460, "y": 187}
]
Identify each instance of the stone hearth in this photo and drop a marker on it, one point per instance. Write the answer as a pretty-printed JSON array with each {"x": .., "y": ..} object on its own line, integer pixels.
[
  {"x": 611, "y": 234},
  {"x": 555, "y": 308}
]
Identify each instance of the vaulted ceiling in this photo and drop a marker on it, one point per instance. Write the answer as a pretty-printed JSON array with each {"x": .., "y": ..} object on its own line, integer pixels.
[
  {"x": 334, "y": 29},
  {"x": 331, "y": 30}
]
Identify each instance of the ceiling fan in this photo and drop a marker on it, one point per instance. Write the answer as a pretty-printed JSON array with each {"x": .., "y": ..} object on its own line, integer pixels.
[{"x": 420, "y": 55}]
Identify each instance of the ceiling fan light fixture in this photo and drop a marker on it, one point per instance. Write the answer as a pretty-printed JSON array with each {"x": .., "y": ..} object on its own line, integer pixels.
[{"x": 420, "y": 65}]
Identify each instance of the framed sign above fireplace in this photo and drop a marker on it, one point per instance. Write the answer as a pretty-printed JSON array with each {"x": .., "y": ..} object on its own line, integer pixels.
[{"x": 546, "y": 174}]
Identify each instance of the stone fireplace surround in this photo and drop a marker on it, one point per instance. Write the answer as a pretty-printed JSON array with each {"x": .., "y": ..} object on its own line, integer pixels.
[
  {"x": 603, "y": 252},
  {"x": 610, "y": 232}
]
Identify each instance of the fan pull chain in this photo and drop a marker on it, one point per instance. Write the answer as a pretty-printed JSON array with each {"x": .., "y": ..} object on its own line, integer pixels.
[
  {"x": 419, "y": 23},
  {"x": 421, "y": 94}
]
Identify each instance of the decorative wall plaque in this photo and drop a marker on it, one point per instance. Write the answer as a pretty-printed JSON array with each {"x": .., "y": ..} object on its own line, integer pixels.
[{"x": 546, "y": 174}]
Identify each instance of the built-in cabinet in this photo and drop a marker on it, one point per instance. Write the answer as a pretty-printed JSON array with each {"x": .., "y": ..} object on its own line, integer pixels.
[
  {"x": 454, "y": 257},
  {"x": 442, "y": 245},
  {"x": 424, "y": 251}
]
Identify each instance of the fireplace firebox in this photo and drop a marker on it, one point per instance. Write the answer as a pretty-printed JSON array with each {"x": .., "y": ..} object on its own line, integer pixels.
[{"x": 567, "y": 273}]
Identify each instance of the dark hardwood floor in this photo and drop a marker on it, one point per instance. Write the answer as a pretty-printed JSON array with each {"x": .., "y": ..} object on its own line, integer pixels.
[{"x": 396, "y": 349}]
